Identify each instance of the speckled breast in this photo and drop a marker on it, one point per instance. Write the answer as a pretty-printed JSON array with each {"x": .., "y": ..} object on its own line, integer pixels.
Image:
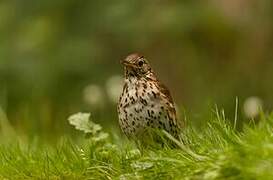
[{"x": 141, "y": 108}]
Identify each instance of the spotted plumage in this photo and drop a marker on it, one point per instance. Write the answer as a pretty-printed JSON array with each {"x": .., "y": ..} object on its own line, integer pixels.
[{"x": 145, "y": 103}]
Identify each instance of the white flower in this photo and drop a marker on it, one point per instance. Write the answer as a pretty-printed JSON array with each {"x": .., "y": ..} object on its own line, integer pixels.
[
  {"x": 93, "y": 95},
  {"x": 114, "y": 87},
  {"x": 252, "y": 106}
]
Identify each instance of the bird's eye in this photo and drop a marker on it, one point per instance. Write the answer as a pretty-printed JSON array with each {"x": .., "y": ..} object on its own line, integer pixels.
[{"x": 140, "y": 63}]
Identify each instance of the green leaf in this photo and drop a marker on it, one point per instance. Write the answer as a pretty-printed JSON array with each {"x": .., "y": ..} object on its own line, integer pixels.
[{"x": 82, "y": 122}]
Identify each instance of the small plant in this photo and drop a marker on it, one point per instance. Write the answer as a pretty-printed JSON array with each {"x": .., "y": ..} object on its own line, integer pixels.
[{"x": 82, "y": 122}]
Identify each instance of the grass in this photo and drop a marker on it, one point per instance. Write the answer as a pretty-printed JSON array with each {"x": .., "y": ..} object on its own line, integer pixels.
[{"x": 215, "y": 152}]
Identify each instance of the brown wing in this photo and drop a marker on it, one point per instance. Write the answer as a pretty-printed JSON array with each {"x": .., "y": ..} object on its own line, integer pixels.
[
  {"x": 168, "y": 98},
  {"x": 162, "y": 88},
  {"x": 175, "y": 124},
  {"x": 165, "y": 91},
  {"x": 164, "y": 94}
]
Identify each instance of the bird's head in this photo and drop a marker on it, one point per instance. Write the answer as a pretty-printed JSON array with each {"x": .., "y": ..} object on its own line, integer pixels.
[{"x": 136, "y": 65}]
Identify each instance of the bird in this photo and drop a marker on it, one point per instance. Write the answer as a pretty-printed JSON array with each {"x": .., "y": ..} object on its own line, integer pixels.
[{"x": 145, "y": 104}]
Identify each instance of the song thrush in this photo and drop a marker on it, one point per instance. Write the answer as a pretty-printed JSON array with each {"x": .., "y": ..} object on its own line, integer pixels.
[{"x": 145, "y": 102}]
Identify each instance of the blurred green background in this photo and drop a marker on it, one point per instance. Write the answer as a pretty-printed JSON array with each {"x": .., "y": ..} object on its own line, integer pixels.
[{"x": 60, "y": 57}]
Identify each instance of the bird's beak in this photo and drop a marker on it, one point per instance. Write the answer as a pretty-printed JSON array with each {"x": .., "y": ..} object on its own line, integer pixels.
[{"x": 127, "y": 64}]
